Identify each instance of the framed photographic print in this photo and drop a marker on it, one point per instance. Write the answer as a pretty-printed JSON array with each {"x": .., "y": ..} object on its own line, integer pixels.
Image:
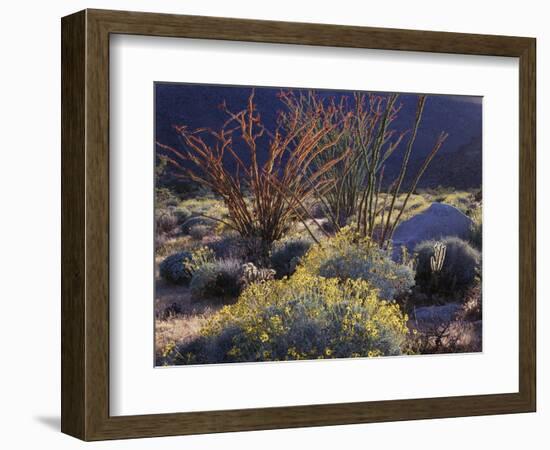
[{"x": 270, "y": 225}]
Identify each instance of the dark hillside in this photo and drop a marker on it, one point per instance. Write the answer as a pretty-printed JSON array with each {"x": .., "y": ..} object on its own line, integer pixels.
[{"x": 457, "y": 165}]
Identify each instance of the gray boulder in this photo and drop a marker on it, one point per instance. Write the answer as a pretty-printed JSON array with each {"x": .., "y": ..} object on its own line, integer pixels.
[{"x": 438, "y": 221}]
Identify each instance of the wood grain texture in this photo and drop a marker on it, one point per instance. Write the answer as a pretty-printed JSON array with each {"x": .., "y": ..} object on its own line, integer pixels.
[
  {"x": 527, "y": 224},
  {"x": 73, "y": 111},
  {"x": 85, "y": 224}
]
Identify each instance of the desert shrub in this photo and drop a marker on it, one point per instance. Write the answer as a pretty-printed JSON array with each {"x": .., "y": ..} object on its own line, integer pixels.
[
  {"x": 173, "y": 268},
  {"x": 220, "y": 278},
  {"x": 348, "y": 255},
  {"x": 165, "y": 197},
  {"x": 304, "y": 317},
  {"x": 180, "y": 267},
  {"x": 230, "y": 245},
  {"x": 199, "y": 257},
  {"x": 286, "y": 256},
  {"x": 182, "y": 214},
  {"x": 196, "y": 220},
  {"x": 459, "y": 269},
  {"x": 168, "y": 245},
  {"x": 165, "y": 221},
  {"x": 199, "y": 231}
]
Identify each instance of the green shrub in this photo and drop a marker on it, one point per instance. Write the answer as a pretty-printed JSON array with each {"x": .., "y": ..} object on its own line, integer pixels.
[
  {"x": 230, "y": 245},
  {"x": 286, "y": 256},
  {"x": 459, "y": 269},
  {"x": 304, "y": 317},
  {"x": 199, "y": 231},
  {"x": 180, "y": 267},
  {"x": 217, "y": 279},
  {"x": 194, "y": 221},
  {"x": 173, "y": 268},
  {"x": 348, "y": 256},
  {"x": 199, "y": 257}
]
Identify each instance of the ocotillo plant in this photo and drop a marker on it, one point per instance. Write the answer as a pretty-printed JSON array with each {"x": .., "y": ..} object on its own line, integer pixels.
[
  {"x": 363, "y": 114},
  {"x": 368, "y": 141},
  {"x": 273, "y": 172}
]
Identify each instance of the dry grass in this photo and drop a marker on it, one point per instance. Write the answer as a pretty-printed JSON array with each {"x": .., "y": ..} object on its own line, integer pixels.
[
  {"x": 463, "y": 200},
  {"x": 172, "y": 245},
  {"x": 457, "y": 336},
  {"x": 205, "y": 205},
  {"x": 176, "y": 329},
  {"x": 415, "y": 205},
  {"x": 178, "y": 317}
]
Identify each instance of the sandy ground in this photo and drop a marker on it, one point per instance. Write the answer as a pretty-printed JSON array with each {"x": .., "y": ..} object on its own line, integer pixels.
[{"x": 178, "y": 316}]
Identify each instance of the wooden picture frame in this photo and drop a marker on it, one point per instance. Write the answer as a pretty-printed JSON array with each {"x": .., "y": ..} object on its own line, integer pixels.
[{"x": 85, "y": 224}]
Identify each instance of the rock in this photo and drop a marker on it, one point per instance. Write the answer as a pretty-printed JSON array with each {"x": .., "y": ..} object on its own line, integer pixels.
[
  {"x": 428, "y": 317},
  {"x": 438, "y": 221}
]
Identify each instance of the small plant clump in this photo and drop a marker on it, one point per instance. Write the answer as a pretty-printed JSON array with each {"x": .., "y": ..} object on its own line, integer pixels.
[
  {"x": 180, "y": 267},
  {"x": 165, "y": 221}
]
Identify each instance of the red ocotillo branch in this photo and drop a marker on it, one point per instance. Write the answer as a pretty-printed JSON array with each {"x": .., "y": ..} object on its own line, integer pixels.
[{"x": 257, "y": 205}]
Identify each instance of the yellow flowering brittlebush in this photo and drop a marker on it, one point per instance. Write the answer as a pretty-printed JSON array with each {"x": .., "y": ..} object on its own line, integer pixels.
[
  {"x": 349, "y": 255},
  {"x": 304, "y": 317}
]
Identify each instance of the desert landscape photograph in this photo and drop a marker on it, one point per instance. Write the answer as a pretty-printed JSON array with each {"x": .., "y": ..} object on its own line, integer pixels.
[{"x": 305, "y": 224}]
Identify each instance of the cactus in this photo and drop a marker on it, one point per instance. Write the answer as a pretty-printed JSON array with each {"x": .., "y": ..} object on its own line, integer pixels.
[
  {"x": 251, "y": 274},
  {"x": 438, "y": 258}
]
